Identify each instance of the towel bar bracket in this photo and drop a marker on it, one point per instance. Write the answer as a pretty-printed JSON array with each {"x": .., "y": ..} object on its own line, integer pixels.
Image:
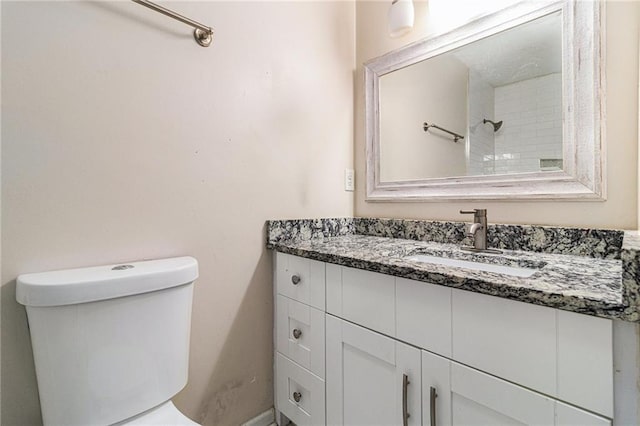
[
  {"x": 203, "y": 38},
  {"x": 202, "y": 33}
]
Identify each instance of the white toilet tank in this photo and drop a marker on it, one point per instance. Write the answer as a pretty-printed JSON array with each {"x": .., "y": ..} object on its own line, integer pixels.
[{"x": 109, "y": 342}]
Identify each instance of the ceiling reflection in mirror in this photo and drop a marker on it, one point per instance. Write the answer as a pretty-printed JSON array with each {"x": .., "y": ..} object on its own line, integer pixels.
[{"x": 490, "y": 107}]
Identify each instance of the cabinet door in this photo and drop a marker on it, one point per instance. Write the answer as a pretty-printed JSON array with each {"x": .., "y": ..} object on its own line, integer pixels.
[
  {"x": 369, "y": 376},
  {"x": 480, "y": 399},
  {"x": 467, "y": 397},
  {"x": 567, "y": 415},
  {"x": 436, "y": 390}
]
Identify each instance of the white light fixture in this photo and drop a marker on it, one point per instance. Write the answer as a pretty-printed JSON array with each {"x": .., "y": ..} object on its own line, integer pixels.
[{"x": 400, "y": 17}]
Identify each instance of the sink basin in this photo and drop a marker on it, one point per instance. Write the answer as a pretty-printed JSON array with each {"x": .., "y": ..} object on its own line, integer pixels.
[{"x": 514, "y": 271}]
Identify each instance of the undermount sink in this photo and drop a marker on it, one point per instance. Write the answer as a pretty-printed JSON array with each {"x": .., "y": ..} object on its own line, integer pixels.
[{"x": 515, "y": 271}]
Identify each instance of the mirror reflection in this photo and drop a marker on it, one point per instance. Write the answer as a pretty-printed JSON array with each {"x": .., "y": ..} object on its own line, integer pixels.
[{"x": 490, "y": 107}]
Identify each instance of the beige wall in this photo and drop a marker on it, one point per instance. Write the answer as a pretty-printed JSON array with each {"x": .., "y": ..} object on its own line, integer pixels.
[
  {"x": 433, "y": 91},
  {"x": 122, "y": 139},
  {"x": 619, "y": 211},
  {"x": 0, "y": 214}
]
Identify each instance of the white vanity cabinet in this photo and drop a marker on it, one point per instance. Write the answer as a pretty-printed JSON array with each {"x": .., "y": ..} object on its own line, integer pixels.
[{"x": 391, "y": 351}]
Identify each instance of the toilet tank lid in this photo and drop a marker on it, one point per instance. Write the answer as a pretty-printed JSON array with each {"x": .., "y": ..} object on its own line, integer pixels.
[{"x": 73, "y": 286}]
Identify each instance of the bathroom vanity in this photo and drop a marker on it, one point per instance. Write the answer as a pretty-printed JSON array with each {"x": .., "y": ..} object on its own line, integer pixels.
[
  {"x": 389, "y": 322},
  {"x": 366, "y": 334}
]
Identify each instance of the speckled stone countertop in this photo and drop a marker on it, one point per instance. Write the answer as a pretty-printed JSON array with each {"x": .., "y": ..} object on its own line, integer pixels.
[{"x": 589, "y": 271}]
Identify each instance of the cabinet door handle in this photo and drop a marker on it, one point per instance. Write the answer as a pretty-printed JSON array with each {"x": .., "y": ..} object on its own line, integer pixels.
[
  {"x": 297, "y": 396},
  {"x": 405, "y": 414},
  {"x": 432, "y": 405},
  {"x": 295, "y": 279},
  {"x": 297, "y": 333}
]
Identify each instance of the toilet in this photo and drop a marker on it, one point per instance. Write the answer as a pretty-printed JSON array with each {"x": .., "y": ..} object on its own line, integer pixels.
[{"x": 111, "y": 343}]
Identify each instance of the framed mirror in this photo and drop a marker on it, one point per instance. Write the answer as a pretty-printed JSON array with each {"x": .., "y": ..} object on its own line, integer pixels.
[{"x": 509, "y": 106}]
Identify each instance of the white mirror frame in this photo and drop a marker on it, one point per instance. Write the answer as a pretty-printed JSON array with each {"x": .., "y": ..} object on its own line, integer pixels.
[{"x": 583, "y": 81}]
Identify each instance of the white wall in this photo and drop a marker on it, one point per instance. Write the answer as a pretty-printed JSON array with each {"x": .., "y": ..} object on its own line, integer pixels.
[
  {"x": 122, "y": 139},
  {"x": 481, "y": 136},
  {"x": 531, "y": 115},
  {"x": 620, "y": 209}
]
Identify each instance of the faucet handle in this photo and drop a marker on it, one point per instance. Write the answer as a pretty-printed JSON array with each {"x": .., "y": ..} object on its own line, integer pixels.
[{"x": 477, "y": 213}]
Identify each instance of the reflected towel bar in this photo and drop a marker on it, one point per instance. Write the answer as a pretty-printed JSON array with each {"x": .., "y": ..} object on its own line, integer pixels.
[
  {"x": 456, "y": 137},
  {"x": 202, "y": 33}
]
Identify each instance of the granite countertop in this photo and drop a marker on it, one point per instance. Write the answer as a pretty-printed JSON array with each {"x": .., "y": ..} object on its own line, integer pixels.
[{"x": 592, "y": 272}]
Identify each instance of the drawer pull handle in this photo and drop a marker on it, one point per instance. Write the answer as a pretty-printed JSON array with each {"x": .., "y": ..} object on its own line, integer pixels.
[
  {"x": 405, "y": 413},
  {"x": 297, "y": 333},
  {"x": 295, "y": 279},
  {"x": 297, "y": 396},
  {"x": 432, "y": 405}
]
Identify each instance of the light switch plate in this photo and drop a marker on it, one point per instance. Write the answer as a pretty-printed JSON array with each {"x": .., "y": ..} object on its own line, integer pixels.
[{"x": 349, "y": 180}]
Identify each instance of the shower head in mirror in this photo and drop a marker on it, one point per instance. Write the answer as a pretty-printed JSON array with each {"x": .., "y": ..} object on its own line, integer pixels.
[{"x": 496, "y": 126}]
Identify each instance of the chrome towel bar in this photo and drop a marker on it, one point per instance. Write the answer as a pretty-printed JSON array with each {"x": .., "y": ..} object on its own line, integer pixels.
[
  {"x": 456, "y": 137},
  {"x": 202, "y": 33}
]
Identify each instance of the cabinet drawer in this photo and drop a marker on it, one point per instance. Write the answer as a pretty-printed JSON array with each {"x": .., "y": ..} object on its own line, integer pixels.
[
  {"x": 366, "y": 298},
  {"x": 301, "y": 279},
  {"x": 300, "y": 394},
  {"x": 423, "y": 315},
  {"x": 300, "y": 334}
]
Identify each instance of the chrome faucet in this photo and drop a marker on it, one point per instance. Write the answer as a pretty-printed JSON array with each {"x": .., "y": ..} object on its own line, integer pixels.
[{"x": 478, "y": 231}]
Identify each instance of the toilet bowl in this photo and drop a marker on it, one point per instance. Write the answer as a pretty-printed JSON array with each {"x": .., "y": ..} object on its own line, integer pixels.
[
  {"x": 114, "y": 338},
  {"x": 165, "y": 414}
]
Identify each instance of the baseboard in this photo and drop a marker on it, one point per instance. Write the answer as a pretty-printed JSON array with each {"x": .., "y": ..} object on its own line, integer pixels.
[{"x": 265, "y": 419}]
